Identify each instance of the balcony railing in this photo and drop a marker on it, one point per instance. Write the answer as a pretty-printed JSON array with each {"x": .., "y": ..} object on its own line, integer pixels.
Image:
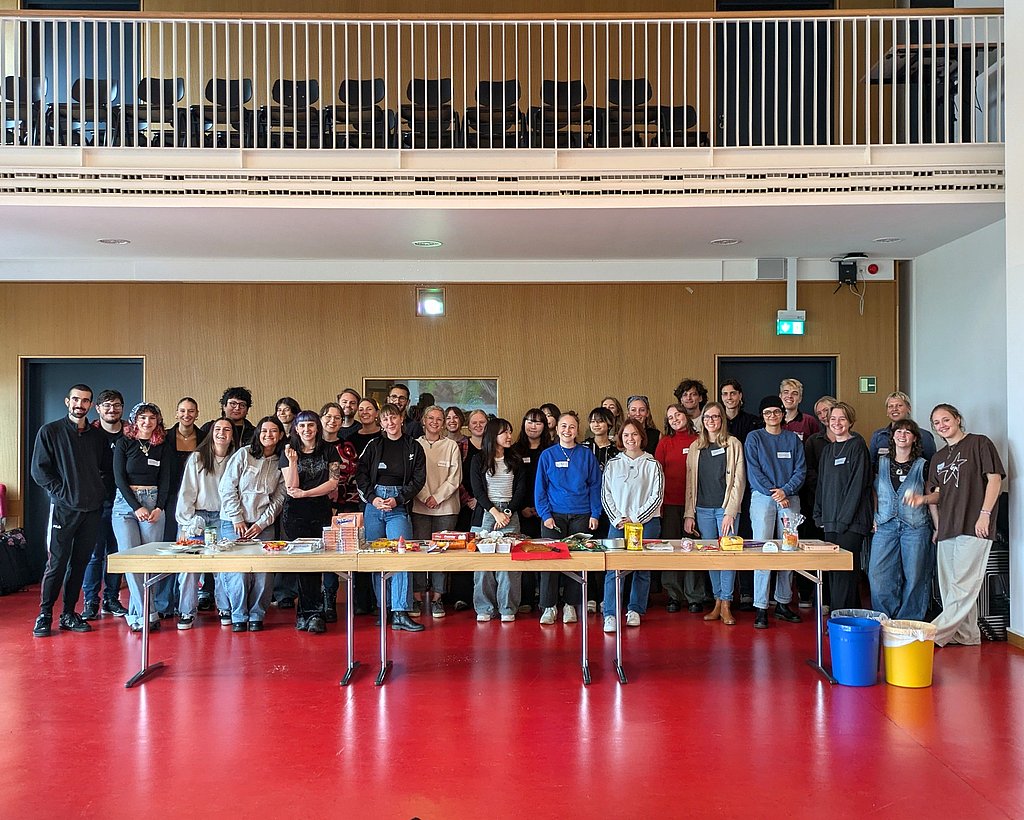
[{"x": 527, "y": 84}]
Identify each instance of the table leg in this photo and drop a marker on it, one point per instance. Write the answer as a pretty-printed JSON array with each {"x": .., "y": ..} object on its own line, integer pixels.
[
  {"x": 819, "y": 665},
  {"x": 583, "y": 630},
  {"x": 145, "y": 668},
  {"x": 385, "y": 664},
  {"x": 349, "y": 624},
  {"x": 618, "y": 627}
]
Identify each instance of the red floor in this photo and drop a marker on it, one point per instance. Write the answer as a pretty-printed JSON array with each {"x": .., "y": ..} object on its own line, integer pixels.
[{"x": 492, "y": 721}]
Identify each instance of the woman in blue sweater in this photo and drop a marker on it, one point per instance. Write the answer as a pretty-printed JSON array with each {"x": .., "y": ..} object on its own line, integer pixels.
[{"x": 567, "y": 494}]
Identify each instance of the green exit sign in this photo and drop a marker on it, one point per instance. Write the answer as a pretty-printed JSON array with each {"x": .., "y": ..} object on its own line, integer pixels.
[
  {"x": 868, "y": 384},
  {"x": 789, "y": 327}
]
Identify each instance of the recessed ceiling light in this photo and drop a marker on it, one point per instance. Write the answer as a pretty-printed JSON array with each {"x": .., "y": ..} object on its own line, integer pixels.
[
  {"x": 114, "y": 241},
  {"x": 887, "y": 240},
  {"x": 427, "y": 243},
  {"x": 724, "y": 242}
]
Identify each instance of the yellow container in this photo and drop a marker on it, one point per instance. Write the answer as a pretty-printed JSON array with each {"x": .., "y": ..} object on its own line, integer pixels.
[
  {"x": 634, "y": 536},
  {"x": 909, "y": 649}
]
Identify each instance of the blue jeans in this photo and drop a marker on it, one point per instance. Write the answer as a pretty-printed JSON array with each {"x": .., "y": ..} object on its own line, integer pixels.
[
  {"x": 247, "y": 594},
  {"x": 131, "y": 533},
  {"x": 188, "y": 582},
  {"x": 390, "y": 524},
  {"x": 900, "y": 570},
  {"x": 95, "y": 573},
  {"x": 709, "y": 520},
  {"x": 497, "y": 592},
  {"x": 766, "y": 523},
  {"x": 641, "y": 578}
]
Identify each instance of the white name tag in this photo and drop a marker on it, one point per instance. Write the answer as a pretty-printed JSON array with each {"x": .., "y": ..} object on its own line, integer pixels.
[
  {"x": 784, "y": 454},
  {"x": 153, "y": 462},
  {"x": 883, "y": 451},
  {"x": 562, "y": 464},
  {"x": 382, "y": 466},
  {"x": 526, "y": 459},
  {"x": 444, "y": 464},
  {"x": 902, "y": 479},
  {"x": 800, "y": 436},
  {"x": 718, "y": 452},
  {"x": 686, "y": 450},
  {"x": 942, "y": 466},
  {"x": 841, "y": 460}
]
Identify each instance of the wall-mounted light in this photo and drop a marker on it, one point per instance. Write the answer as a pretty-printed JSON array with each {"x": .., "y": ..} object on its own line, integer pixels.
[{"x": 430, "y": 302}]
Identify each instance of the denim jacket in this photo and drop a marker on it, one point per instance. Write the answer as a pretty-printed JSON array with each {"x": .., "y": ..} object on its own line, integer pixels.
[{"x": 890, "y": 503}]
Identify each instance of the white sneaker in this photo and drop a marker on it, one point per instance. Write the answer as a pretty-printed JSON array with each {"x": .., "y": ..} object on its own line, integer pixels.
[
  {"x": 568, "y": 614},
  {"x": 609, "y": 623},
  {"x": 508, "y": 618},
  {"x": 632, "y": 618},
  {"x": 548, "y": 615},
  {"x": 482, "y": 617},
  {"x": 591, "y": 607}
]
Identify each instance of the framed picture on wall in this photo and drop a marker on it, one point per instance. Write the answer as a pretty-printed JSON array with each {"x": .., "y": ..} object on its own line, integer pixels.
[{"x": 464, "y": 393}]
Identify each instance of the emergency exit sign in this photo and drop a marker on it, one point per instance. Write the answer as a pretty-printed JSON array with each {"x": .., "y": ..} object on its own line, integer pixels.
[{"x": 868, "y": 384}]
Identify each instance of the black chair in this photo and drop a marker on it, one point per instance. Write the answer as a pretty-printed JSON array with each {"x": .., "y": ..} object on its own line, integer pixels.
[
  {"x": 85, "y": 120},
  {"x": 360, "y": 121},
  {"x": 431, "y": 122},
  {"x": 292, "y": 120},
  {"x": 156, "y": 118},
  {"x": 629, "y": 117},
  {"x": 224, "y": 121},
  {"x": 22, "y": 101},
  {"x": 496, "y": 120},
  {"x": 675, "y": 128},
  {"x": 561, "y": 120}
]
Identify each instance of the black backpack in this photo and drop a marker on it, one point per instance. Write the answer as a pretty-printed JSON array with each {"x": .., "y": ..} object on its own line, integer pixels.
[{"x": 15, "y": 573}]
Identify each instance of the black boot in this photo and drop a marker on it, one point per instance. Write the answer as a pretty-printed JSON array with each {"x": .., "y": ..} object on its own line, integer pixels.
[{"x": 330, "y": 607}]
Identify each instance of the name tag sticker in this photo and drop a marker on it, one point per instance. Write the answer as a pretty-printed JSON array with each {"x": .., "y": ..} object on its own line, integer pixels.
[
  {"x": 444, "y": 464},
  {"x": 526, "y": 459},
  {"x": 686, "y": 450},
  {"x": 382, "y": 466},
  {"x": 562, "y": 464},
  {"x": 902, "y": 479},
  {"x": 883, "y": 451},
  {"x": 718, "y": 452},
  {"x": 784, "y": 454},
  {"x": 840, "y": 460},
  {"x": 153, "y": 462},
  {"x": 800, "y": 436},
  {"x": 942, "y": 466}
]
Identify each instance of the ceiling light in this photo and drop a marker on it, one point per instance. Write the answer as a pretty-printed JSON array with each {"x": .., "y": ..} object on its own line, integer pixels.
[
  {"x": 426, "y": 243},
  {"x": 114, "y": 241},
  {"x": 724, "y": 242},
  {"x": 888, "y": 240}
]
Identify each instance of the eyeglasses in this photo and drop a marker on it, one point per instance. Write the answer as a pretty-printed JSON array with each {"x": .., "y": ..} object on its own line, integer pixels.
[
  {"x": 110, "y": 405},
  {"x": 238, "y": 405},
  {"x": 772, "y": 412},
  {"x": 333, "y": 416},
  {"x": 708, "y": 416}
]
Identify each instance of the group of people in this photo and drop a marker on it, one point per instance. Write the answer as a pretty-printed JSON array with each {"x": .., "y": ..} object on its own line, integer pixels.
[{"x": 714, "y": 469}]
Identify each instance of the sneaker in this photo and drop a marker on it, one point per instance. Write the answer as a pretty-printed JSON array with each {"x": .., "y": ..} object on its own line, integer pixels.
[
  {"x": 72, "y": 622},
  {"x": 205, "y": 602},
  {"x": 43, "y": 627},
  {"x": 591, "y": 607},
  {"x": 525, "y": 609},
  {"x": 483, "y": 617},
  {"x": 315, "y": 624},
  {"x": 417, "y": 609},
  {"x": 609, "y": 623},
  {"x": 113, "y": 606},
  {"x": 805, "y": 603},
  {"x": 761, "y": 619},
  {"x": 437, "y": 609},
  {"x": 632, "y": 618},
  {"x": 569, "y": 614},
  {"x": 461, "y": 605},
  {"x": 225, "y": 617},
  {"x": 186, "y": 621},
  {"x": 301, "y": 623},
  {"x": 508, "y": 617},
  {"x": 548, "y": 615},
  {"x": 91, "y": 611}
]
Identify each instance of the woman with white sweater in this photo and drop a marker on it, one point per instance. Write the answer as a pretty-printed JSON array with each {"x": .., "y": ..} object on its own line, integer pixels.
[
  {"x": 252, "y": 496},
  {"x": 436, "y": 505},
  {"x": 715, "y": 480},
  {"x": 632, "y": 491},
  {"x": 198, "y": 507}
]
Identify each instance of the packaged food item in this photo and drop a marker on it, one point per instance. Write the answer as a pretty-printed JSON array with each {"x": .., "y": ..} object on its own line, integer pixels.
[
  {"x": 686, "y": 545},
  {"x": 731, "y": 543},
  {"x": 790, "y": 538},
  {"x": 634, "y": 535}
]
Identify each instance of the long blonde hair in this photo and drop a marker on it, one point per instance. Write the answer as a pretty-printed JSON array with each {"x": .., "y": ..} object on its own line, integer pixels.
[{"x": 723, "y": 433}]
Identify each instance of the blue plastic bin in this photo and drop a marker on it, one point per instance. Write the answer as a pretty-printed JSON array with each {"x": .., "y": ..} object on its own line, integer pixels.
[{"x": 854, "y": 643}]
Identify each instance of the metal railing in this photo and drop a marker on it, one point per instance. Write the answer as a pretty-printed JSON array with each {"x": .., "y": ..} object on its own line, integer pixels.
[{"x": 452, "y": 84}]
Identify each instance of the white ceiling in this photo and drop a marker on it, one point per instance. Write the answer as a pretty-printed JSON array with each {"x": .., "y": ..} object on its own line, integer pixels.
[{"x": 38, "y": 230}]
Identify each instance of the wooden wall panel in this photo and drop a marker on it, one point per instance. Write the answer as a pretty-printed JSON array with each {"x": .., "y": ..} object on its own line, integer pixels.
[{"x": 570, "y": 344}]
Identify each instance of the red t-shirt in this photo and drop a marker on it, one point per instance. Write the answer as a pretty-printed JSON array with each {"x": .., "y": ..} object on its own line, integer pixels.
[{"x": 671, "y": 455}]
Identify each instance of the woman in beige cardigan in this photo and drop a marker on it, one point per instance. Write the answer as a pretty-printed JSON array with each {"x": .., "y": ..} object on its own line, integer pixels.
[{"x": 715, "y": 480}]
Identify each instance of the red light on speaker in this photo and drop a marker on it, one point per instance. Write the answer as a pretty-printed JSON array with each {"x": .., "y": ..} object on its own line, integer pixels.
[{"x": 872, "y": 268}]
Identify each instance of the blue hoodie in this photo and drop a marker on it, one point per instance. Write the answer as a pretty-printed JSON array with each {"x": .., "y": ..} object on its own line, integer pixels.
[
  {"x": 574, "y": 489},
  {"x": 775, "y": 461}
]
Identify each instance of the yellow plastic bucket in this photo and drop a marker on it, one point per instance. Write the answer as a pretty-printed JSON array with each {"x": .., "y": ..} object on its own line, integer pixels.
[{"x": 909, "y": 648}]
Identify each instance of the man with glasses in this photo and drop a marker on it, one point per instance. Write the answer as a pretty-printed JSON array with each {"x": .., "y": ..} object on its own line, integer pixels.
[
  {"x": 897, "y": 408},
  {"x": 776, "y": 471},
  {"x": 66, "y": 464},
  {"x": 234, "y": 406},
  {"x": 399, "y": 396},
  {"x": 348, "y": 401},
  {"x": 109, "y": 408}
]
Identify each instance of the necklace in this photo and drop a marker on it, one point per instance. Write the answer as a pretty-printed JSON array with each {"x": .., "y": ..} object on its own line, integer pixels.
[
  {"x": 144, "y": 445},
  {"x": 565, "y": 455},
  {"x": 187, "y": 436}
]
